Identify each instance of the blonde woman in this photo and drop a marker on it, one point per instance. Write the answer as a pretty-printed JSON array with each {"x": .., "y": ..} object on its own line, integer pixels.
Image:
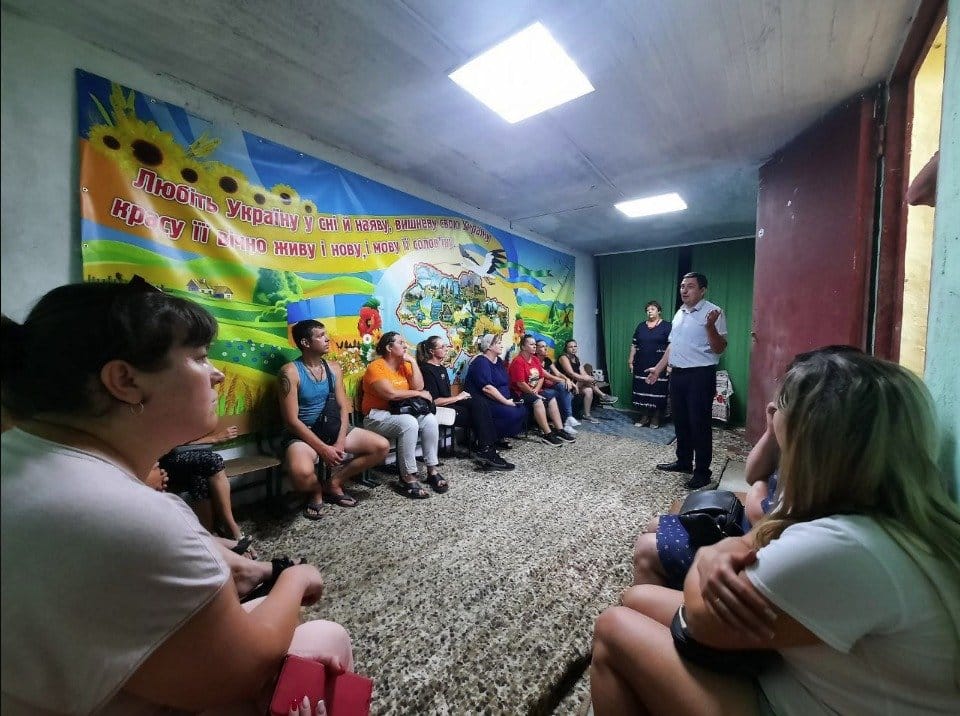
[{"x": 854, "y": 577}]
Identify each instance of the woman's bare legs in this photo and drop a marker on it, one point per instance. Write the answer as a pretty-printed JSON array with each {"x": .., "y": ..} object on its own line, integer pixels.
[
  {"x": 221, "y": 506},
  {"x": 635, "y": 668}
]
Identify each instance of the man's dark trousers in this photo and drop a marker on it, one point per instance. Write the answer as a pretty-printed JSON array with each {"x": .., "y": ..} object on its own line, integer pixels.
[{"x": 691, "y": 398}]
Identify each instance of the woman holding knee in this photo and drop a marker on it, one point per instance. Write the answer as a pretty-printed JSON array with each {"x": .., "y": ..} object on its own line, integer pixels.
[
  {"x": 169, "y": 633},
  {"x": 569, "y": 363},
  {"x": 395, "y": 375},
  {"x": 853, "y": 577}
]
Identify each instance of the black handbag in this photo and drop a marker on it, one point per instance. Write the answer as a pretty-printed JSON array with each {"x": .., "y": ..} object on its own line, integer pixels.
[
  {"x": 710, "y": 516},
  {"x": 415, "y": 406},
  {"x": 742, "y": 662},
  {"x": 327, "y": 425}
]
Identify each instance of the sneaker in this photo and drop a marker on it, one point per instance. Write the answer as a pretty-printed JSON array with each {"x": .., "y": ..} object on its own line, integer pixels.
[
  {"x": 570, "y": 430},
  {"x": 491, "y": 460},
  {"x": 571, "y": 422},
  {"x": 551, "y": 439},
  {"x": 502, "y": 445},
  {"x": 564, "y": 435},
  {"x": 590, "y": 419},
  {"x": 608, "y": 399}
]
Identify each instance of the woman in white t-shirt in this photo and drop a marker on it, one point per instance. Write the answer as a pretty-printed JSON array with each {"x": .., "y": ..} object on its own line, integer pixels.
[
  {"x": 115, "y": 599},
  {"x": 853, "y": 578}
]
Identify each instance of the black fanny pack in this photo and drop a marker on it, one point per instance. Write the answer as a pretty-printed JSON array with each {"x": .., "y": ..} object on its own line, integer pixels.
[
  {"x": 415, "y": 406},
  {"x": 742, "y": 662},
  {"x": 710, "y": 516}
]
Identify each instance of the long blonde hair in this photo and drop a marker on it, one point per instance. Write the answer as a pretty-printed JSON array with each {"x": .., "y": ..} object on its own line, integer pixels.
[{"x": 861, "y": 438}]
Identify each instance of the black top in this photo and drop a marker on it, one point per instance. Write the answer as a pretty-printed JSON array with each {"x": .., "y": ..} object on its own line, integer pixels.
[
  {"x": 436, "y": 380},
  {"x": 574, "y": 363}
]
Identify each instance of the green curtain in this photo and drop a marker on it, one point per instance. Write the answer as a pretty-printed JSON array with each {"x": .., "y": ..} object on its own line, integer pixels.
[
  {"x": 626, "y": 283},
  {"x": 728, "y": 266}
]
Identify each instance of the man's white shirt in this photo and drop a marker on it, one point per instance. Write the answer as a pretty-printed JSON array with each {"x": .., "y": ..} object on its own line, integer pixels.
[{"x": 689, "y": 346}]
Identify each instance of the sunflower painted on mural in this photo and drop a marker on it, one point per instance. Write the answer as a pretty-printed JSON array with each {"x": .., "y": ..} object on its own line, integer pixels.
[{"x": 289, "y": 198}]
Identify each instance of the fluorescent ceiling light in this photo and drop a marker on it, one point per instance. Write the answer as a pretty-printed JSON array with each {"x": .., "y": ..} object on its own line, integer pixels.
[
  {"x": 524, "y": 75},
  {"x": 648, "y": 206}
]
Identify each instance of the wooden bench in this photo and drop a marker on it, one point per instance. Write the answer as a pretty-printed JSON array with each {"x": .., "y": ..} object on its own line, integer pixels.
[{"x": 238, "y": 467}]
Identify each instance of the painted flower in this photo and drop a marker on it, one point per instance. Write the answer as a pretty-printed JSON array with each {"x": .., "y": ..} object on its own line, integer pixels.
[{"x": 367, "y": 338}]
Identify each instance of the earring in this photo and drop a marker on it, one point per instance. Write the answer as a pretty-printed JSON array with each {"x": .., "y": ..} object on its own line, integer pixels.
[{"x": 136, "y": 409}]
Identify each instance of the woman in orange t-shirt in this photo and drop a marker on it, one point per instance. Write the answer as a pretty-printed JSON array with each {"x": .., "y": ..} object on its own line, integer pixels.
[{"x": 396, "y": 376}]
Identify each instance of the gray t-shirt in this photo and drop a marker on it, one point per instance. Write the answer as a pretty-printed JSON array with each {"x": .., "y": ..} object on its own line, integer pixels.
[
  {"x": 889, "y": 646},
  {"x": 98, "y": 571}
]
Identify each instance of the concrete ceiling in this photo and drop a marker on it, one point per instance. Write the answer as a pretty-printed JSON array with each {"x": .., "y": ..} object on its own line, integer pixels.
[{"x": 691, "y": 95}]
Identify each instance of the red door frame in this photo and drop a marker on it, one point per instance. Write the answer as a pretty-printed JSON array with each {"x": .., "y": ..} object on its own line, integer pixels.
[{"x": 896, "y": 150}]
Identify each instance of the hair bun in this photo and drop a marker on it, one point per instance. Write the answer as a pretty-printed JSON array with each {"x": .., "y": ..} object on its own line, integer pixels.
[{"x": 14, "y": 335}]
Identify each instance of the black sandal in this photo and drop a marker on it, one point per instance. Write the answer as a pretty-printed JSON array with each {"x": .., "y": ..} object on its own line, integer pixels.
[
  {"x": 263, "y": 589},
  {"x": 414, "y": 490},
  {"x": 438, "y": 483},
  {"x": 244, "y": 547}
]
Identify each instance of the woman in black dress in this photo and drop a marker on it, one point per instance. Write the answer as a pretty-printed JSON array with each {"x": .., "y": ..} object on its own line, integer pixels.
[{"x": 646, "y": 350}]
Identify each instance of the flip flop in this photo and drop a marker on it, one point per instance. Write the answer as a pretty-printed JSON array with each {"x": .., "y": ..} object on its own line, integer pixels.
[
  {"x": 311, "y": 510},
  {"x": 341, "y": 500}
]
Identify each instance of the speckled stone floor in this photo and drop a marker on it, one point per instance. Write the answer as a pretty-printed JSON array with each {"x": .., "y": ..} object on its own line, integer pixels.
[{"x": 482, "y": 600}]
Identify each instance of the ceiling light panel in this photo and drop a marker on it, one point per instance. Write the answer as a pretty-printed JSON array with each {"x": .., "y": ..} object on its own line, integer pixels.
[
  {"x": 526, "y": 74},
  {"x": 650, "y": 205}
]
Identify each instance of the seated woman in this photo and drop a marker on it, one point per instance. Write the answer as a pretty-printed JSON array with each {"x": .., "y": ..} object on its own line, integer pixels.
[
  {"x": 197, "y": 469},
  {"x": 395, "y": 375},
  {"x": 89, "y": 429},
  {"x": 853, "y": 577},
  {"x": 472, "y": 413},
  {"x": 487, "y": 376},
  {"x": 569, "y": 363},
  {"x": 563, "y": 388}
]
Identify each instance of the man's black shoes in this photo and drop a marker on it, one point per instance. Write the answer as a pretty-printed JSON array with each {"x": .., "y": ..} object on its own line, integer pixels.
[
  {"x": 698, "y": 481},
  {"x": 674, "y": 467}
]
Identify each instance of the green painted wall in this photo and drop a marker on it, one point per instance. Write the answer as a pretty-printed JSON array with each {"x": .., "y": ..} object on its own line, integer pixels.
[{"x": 942, "y": 370}]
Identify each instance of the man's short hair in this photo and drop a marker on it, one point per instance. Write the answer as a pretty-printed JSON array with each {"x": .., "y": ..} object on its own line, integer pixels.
[
  {"x": 701, "y": 279},
  {"x": 303, "y": 330}
]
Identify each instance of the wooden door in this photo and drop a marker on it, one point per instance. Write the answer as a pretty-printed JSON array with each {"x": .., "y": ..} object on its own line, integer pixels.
[{"x": 815, "y": 219}]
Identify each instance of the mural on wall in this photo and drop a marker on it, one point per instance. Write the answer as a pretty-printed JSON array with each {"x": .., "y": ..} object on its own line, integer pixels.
[{"x": 264, "y": 236}]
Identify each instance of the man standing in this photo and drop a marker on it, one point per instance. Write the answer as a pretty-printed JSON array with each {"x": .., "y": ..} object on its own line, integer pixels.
[
  {"x": 698, "y": 337},
  {"x": 305, "y": 386}
]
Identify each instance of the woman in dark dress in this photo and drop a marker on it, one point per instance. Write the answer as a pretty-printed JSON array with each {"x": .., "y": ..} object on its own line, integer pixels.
[
  {"x": 646, "y": 350},
  {"x": 472, "y": 412}
]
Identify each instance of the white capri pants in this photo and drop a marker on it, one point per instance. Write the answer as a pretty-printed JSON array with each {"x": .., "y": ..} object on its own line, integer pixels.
[{"x": 405, "y": 428}]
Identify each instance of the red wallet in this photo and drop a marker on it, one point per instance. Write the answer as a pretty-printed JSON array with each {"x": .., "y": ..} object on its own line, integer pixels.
[{"x": 346, "y": 694}]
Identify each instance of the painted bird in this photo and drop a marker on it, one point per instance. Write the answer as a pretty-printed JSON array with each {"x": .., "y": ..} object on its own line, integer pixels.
[{"x": 493, "y": 261}]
